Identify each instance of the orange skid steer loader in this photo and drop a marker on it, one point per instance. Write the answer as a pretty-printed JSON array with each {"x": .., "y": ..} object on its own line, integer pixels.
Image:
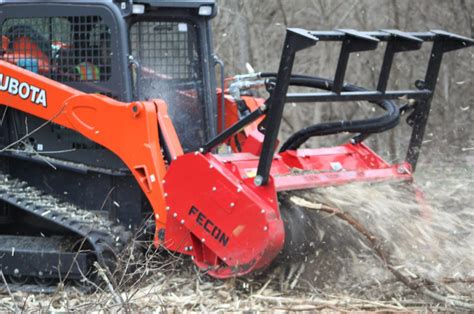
[{"x": 110, "y": 113}]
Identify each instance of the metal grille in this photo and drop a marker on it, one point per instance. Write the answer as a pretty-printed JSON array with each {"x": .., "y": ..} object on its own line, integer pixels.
[
  {"x": 170, "y": 69},
  {"x": 65, "y": 49},
  {"x": 167, "y": 48}
]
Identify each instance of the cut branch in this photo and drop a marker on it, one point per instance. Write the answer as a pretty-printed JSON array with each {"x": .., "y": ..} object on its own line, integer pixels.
[{"x": 419, "y": 285}]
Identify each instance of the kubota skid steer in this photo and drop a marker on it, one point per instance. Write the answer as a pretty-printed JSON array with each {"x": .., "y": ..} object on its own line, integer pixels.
[{"x": 110, "y": 113}]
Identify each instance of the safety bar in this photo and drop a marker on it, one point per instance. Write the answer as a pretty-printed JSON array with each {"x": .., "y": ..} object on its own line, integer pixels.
[{"x": 353, "y": 41}]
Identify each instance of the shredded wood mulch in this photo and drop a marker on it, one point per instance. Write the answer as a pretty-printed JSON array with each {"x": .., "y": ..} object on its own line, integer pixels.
[{"x": 376, "y": 250}]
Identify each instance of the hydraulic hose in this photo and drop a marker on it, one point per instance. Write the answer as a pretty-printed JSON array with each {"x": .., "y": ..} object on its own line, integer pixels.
[{"x": 384, "y": 122}]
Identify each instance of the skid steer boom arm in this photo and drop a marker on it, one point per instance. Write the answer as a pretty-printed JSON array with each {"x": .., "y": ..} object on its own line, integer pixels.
[{"x": 130, "y": 130}]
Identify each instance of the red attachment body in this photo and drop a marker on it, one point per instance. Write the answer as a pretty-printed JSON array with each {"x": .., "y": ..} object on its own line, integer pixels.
[
  {"x": 223, "y": 220},
  {"x": 232, "y": 227}
]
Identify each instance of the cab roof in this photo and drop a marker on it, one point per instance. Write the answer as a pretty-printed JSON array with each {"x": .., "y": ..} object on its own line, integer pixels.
[{"x": 155, "y": 3}]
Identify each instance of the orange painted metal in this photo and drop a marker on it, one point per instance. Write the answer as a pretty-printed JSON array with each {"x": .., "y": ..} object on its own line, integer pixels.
[
  {"x": 168, "y": 131},
  {"x": 130, "y": 130}
]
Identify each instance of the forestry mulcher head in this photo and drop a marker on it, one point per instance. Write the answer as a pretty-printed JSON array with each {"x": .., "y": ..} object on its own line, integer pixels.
[
  {"x": 230, "y": 211},
  {"x": 112, "y": 115}
]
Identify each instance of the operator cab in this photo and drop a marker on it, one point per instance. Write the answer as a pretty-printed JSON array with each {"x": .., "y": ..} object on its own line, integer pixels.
[{"x": 140, "y": 50}]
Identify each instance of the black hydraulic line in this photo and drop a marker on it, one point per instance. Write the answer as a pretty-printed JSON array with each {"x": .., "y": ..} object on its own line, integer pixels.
[
  {"x": 348, "y": 96},
  {"x": 223, "y": 136},
  {"x": 388, "y": 120},
  {"x": 319, "y": 83}
]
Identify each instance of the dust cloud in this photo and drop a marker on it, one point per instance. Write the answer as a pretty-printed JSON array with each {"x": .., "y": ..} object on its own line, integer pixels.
[{"x": 427, "y": 227}]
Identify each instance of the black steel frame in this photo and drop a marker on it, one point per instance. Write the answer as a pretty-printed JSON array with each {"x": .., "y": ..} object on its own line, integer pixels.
[{"x": 352, "y": 41}]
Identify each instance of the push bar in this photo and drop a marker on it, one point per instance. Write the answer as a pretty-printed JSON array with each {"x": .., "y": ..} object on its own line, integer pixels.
[{"x": 352, "y": 41}]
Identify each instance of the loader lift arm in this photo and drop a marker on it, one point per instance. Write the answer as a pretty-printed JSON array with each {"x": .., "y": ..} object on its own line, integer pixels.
[{"x": 130, "y": 130}]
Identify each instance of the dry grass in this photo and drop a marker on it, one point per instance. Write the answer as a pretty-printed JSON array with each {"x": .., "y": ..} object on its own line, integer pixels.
[{"x": 434, "y": 243}]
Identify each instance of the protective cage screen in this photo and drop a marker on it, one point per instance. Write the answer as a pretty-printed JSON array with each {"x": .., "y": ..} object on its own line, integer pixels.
[
  {"x": 170, "y": 69},
  {"x": 65, "y": 49},
  {"x": 167, "y": 48}
]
